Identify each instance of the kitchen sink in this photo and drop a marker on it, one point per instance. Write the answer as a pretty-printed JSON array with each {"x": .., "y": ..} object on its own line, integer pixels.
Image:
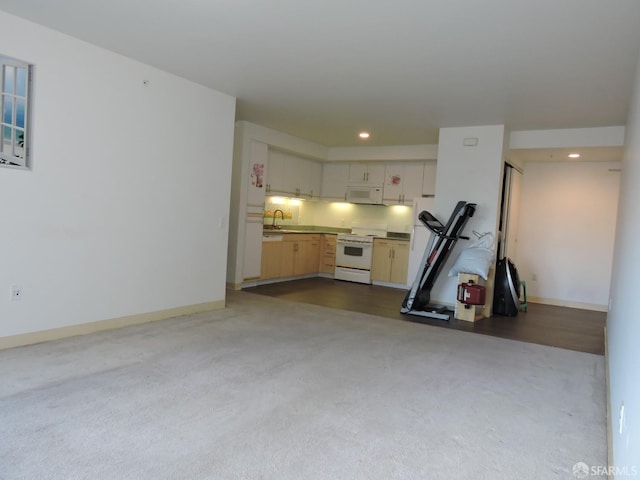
[{"x": 272, "y": 237}]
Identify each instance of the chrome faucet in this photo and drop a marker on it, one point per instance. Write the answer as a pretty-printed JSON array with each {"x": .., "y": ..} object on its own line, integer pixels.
[{"x": 273, "y": 224}]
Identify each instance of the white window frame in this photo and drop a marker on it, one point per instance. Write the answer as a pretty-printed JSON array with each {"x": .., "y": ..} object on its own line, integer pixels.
[{"x": 16, "y": 154}]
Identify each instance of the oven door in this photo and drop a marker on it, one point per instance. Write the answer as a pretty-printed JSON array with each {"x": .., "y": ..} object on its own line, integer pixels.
[{"x": 354, "y": 255}]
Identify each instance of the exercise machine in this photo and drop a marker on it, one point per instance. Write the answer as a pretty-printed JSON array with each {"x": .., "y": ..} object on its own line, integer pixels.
[
  {"x": 442, "y": 241},
  {"x": 506, "y": 295}
]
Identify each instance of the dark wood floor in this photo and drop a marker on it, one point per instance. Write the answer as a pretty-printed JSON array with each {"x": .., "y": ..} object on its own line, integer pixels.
[{"x": 570, "y": 328}]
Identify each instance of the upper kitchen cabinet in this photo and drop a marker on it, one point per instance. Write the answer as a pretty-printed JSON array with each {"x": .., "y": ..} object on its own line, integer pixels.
[
  {"x": 371, "y": 174},
  {"x": 258, "y": 158},
  {"x": 315, "y": 180},
  {"x": 402, "y": 182},
  {"x": 335, "y": 176},
  {"x": 429, "y": 178},
  {"x": 293, "y": 176}
]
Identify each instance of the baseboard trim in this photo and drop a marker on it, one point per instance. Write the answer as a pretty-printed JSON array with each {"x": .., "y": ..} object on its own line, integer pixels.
[
  {"x": 608, "y": 400},
  {"x": 248, "y": 283},
  {"x": 391, "y": 285},
  {"x": 565, "y": 303},
  {"x": 102, "y": 325}
]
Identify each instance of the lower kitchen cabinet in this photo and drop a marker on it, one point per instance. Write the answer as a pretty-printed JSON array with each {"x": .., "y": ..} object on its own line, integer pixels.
[
  {"x": 390, "y": 261},
  {"x": 271, "y": 264},
  {"x": 306, "y": 254},
  {"x": 296, "y": 254},
  {"x": 328, "y": 254}
]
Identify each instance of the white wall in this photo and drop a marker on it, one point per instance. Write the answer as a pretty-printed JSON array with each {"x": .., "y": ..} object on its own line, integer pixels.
[
  {"x": 472, "y": 174},
  {"x": 566, "y": 233},
  {"x": 121, "y": 212},
  {"x": 623, "y": 327}
]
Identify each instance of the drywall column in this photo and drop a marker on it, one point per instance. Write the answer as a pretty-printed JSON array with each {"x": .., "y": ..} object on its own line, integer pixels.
[
  {"x": 623, "y": 327},
  {"x": 472, "y": 173}
]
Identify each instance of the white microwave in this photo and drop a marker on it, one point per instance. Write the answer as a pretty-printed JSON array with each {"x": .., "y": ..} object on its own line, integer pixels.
[{"x": 367, "y": 195}]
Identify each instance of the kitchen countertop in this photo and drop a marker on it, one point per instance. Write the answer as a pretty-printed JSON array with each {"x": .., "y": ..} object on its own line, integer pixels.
[{"x": 330, "y": 230}]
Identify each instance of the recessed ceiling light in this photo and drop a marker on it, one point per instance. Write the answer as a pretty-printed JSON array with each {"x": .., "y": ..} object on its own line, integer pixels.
[
  {"x": 574, "y": 155},
  {"x": 364, "y": 135}
]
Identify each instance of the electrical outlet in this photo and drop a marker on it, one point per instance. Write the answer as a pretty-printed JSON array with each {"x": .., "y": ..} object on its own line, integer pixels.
[
  {"x": 16, "y": 292},
  {"x": 534, "y": 277}
]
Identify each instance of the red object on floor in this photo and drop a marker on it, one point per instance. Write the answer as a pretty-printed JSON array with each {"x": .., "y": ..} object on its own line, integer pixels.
[{"x": 471, "y": 294}]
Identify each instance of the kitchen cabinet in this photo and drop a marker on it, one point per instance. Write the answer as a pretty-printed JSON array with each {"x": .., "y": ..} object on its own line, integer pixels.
[
  {"x": 271, "y": 263},
  {"x": 300, "y": 254},
  {"x": 335, "y": 178},
  {"x": 390, "y": 261},
  {"x": 293, "y": 176},
  {"x": 328, "y": 254},
  {"x": 402, "y": 182},
  {"x": 362, "y": 173},
  {"x": 429, "y": 179},
  {"x": 307, "y": 259}
]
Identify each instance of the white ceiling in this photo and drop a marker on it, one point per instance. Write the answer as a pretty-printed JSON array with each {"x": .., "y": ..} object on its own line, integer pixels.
[{"x": 325, "y": 70}]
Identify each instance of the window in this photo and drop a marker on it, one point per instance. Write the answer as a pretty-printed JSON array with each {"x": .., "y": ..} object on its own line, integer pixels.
[{"x": 15, "y": 122}]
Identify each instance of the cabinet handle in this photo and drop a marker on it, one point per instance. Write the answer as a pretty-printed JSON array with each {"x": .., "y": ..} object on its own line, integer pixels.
[
  {"x": 393, "y": 254},
  {"x": 389, "y": 253}
]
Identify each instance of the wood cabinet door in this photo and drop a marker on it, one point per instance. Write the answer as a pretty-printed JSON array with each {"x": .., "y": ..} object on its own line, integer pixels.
[
  {"x": 271, "y": 260},
  {"x": 381, "y": 260},
  {"x": 328, "y": 254},
  {"x": 400, "y": 264},
  {"x": 287, "y": 266},
  {"x": 307, "y": 255},
  {"x": 312, "y": 256}
]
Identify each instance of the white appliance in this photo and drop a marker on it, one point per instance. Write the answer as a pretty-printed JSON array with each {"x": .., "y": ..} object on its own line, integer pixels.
[
  {"x": 366, "y": 195},
  {"x": 354, "y": 252},
  {"x": 420, "y": 237}
]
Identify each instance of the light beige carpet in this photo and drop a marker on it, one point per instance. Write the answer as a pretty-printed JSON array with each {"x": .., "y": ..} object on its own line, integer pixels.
[{"x": 269, "y": 389}]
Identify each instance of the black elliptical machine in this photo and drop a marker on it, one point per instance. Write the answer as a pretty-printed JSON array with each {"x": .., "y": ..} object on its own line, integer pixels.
[
  {"x": 443, "y": 239},
  {"x": 506, "y": 293}
]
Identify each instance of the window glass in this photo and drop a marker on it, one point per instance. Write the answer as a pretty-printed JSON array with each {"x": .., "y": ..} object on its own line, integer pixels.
[
  {"x": 7, "y": 111},
  {"x": 6, "y": 139},
  {"x": 20, "y": 112},
  {"x": 8, "y": 79},
  {"x": 18, "y": 143},
  {"x": 21, "y": 82}
]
